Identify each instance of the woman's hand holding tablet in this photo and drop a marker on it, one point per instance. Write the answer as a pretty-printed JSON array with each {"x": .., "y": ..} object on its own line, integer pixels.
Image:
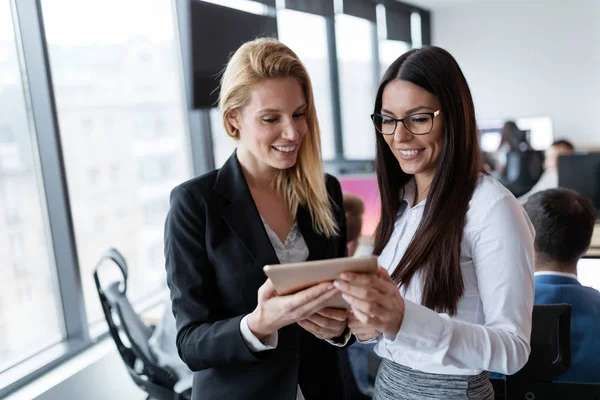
[
  {"x": 290, "y": 278},
  {"x": 274, "y": 312},
  {"x": 375, "y": 300}
]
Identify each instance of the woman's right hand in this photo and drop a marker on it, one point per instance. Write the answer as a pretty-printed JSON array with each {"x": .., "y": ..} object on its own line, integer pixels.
[
  {"x": 274, "y": 312},
  {"x": 362, "y": 331}
]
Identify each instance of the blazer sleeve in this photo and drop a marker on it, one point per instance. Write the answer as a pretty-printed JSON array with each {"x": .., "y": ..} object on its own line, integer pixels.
[{"x": 203, "y": 339}]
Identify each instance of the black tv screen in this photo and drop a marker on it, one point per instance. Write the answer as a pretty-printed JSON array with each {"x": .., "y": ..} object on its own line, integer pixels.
[{"x": 216, "y": 32}]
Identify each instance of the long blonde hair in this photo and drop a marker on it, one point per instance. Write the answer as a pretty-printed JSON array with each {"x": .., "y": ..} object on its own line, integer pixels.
[{"x": 304, "y": 183}]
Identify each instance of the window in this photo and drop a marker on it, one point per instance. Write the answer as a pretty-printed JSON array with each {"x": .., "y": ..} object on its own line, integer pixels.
[
  {"x": 155, "y": 210},
  {"x": 23, "y": 221},
  {"x": 358, "y": 85},
  {"x": 93, "y": 175},
  {"x": 9, "y": 201},
  {"x": 157, "y": 168},
  {"x": 6, "y": 134},
  {"x": 16, "y": 245},
  {"x": 389, "y": 51},
  {"x": 115, "y": 172},
  {"x": 87, "y": 126},
  {"x": 149, "y": 124},
  {"x": 306, "y": 35},
  {"x": 155, "y": 256},
  {"x": 129, "y": 75}
]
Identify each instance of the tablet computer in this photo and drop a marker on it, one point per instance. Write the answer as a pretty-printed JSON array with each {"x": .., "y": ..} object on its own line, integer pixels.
[{"x": 293, "y": 277}]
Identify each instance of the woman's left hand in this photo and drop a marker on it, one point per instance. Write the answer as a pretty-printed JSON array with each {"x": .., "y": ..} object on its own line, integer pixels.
[
  {"x": 375, "y": 300},
  {"x": 328, "y": 323}
]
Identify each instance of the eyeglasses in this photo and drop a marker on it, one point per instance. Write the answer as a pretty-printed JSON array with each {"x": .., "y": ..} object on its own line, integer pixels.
[{"x": 417, "y": 124}]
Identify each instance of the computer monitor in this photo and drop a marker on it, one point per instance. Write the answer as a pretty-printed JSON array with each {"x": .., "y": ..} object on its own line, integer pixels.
[
  {"x": 581, "y": 172},
  {"x": 540, "y": 134},
  {"x": 216, "y": 32}
]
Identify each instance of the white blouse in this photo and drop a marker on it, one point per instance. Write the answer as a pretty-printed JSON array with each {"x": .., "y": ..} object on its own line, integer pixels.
[{"x": 492, "y": 326}]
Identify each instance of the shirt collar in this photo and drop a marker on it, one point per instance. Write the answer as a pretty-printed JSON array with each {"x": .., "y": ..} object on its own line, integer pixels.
[
  {"x": 408, "y": 195},
  {"x": 553, "y": 273}
]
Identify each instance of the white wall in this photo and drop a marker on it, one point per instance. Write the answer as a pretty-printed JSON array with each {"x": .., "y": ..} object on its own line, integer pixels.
[{"x": 529, "y": 58}]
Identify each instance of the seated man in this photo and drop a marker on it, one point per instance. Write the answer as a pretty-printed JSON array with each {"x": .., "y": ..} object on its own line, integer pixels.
[
  {"x": 363, "y": 360},
  {"x": 549, "y": 179},
  {"x": 564, "y": 222}
]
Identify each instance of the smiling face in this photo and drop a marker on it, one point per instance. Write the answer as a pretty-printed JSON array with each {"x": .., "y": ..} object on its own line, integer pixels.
[
  {"x": 271, "y": 126},
  {"x": 417, "y": 155}
]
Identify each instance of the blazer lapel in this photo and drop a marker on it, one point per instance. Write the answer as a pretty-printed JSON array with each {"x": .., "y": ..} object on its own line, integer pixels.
[
  {"x": 241, "y": 215},
  {"x": 316, "y": 243}
]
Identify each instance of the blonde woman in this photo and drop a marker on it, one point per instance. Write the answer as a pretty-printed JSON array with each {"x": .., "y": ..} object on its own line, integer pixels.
[{"x": 270, "y": 203}]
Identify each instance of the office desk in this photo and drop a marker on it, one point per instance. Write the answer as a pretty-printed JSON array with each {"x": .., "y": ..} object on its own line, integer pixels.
[{"x": 594, "y": 251}]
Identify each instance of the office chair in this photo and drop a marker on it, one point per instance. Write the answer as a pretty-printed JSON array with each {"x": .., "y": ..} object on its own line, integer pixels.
[
  {"x": 161, "y": 383},
  {"x": 523, "y": 169},
  {"x": 550, "y": 356}
]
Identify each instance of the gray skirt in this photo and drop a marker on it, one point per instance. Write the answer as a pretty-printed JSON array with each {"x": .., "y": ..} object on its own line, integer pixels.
[{"x": 397, "y": 382}]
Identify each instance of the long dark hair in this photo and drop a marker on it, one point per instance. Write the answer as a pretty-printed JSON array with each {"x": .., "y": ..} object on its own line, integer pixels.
[{"x": 436, "y": 247}]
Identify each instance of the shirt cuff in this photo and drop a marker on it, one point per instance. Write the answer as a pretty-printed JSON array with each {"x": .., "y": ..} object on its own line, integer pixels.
[
  {"x": 422, "y": 327},
  {"x": 374, "y": 340},
  {"x": 269, "y": 342},
  {"x": 341, "y": 340}
]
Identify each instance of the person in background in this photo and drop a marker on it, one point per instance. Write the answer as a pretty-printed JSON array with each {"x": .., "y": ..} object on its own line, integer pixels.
[
  {"x": 354, "y": 208},
  {"x": 511, "y": 139},
  {"x": 363, "y": 360},
  {"x": 549, "y": 179},
  {"x": 269, "y": 203},
  {"x": 564, "y": 223},
  {"x": 454, "y": 294}
]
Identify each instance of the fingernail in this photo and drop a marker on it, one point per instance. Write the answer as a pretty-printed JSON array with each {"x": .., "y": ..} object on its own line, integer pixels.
[
  {"x": 346, "y": 297},
  {"x": 345, "y": 276},
  {"x": 337, "y": 284}
]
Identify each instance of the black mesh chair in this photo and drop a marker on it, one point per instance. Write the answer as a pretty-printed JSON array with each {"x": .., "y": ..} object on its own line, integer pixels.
[
  {"x": 523, "y": 169},
  {"x": 550, "y": 357},
  {"x": 131, "y": 336}
]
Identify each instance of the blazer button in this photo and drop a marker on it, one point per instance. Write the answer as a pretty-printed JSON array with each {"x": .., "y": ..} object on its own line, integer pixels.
[{"x": 294, "y": 355}]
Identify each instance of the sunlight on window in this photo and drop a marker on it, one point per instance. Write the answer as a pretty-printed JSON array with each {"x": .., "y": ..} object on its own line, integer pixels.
[
  {"x": 243, "y": 5},
  {"x": 357, "y": 85},
  {"x": 29, "y": 294},
  {"x": 306, "y": 35},
  {"x": 124, "y": 131},
  {"x": 415, "y": 30},
  {"x": 389, "y": 51}
]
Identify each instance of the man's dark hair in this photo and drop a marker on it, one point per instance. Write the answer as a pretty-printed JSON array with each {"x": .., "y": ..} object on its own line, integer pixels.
[
  {"x": 564, "y": 221},
  {"x": 564, "y": 143}
]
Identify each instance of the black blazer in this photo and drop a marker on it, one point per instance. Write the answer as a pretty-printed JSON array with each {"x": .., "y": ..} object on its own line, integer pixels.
[{"x": 215, "y": 247}]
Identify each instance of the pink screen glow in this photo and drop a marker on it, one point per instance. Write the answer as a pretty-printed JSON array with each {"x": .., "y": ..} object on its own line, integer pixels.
[{"x": 365, "y": 187}]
